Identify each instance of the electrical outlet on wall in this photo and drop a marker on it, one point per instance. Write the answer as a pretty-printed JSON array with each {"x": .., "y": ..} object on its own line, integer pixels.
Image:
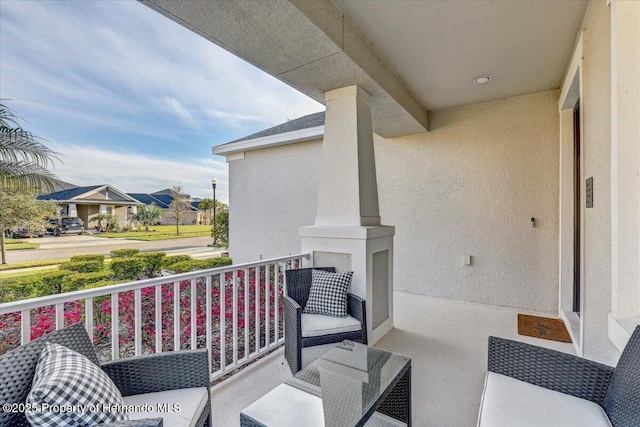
[{"x": 467, "y": 260}]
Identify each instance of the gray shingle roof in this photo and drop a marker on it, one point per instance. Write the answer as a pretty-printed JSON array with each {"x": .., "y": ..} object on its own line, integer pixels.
[
  {"x": 68, "y": 194},
  {"x": 147, "y": 199},
  {"x": 305, "y": 122}
]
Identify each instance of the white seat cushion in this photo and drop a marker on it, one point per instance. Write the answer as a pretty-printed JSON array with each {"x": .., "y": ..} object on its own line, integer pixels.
[
  {"x": 177, "y": 408},
  {"x": 507, "y": 402},
  {"x": 286, "y": 406},
  {"x": 314, "y": 325}
]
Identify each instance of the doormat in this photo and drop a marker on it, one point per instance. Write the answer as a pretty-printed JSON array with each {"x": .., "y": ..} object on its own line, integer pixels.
[{"x": 542, "y": 327}]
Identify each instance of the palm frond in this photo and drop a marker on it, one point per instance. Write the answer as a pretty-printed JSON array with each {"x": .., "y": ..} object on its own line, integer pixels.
[
  {"x": 25, "y": 176},
  {"x": 17, "y": 144}
]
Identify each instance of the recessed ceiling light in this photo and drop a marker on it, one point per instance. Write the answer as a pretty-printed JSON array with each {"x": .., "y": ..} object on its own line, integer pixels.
[{"x": 482, "y": 79}]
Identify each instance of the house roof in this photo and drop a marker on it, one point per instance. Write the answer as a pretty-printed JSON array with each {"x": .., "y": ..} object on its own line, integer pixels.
[
  {"x": 90, "y": 195},
  {"x": 304, "y": 128},
  {"x": 304, "y": 122},
  {"x": 161, "y": 200},
  {"x": 148, "y": 199},
  {"x": 68, "y": 194}
]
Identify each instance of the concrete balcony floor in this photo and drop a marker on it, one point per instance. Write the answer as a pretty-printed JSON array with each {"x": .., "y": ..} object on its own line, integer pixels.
[{"x": 446, "y": 340}]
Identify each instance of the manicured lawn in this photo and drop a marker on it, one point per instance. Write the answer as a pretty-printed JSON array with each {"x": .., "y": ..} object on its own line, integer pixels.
[
  {"x": 23, "y": 274},
  {"x": 162, "y": 232},
  {"x": 31, "y": 264},
  {"x": 16, "y": 244}
]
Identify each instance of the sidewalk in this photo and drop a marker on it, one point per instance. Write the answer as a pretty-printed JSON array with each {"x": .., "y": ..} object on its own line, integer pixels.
[{"x": 194, "y": 252}]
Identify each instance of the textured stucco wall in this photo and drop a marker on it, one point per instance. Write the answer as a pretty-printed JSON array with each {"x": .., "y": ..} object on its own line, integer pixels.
[
  {"x": 272, "y": 193},
  {"x": 470, "y": 187},
  {"x": 596, "y": 132}
]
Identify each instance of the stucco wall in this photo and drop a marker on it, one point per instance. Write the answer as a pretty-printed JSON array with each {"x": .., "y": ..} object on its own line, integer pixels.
[
  {"x": 470, "y": 187},
  {"x": 596, "y": 105},
  {"x": 272, "y": 193}
]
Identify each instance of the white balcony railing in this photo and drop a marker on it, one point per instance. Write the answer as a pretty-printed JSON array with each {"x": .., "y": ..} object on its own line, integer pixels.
[{"x": 235, "y": 312}]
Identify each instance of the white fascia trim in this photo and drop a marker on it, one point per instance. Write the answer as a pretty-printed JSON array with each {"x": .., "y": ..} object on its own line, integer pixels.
[
  {"x": 292, "y": 137},
  {"x": 132, "y": 201}
]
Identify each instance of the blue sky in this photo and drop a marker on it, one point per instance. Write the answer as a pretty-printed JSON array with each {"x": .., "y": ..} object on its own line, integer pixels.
[{"x": 130, "y": 98}]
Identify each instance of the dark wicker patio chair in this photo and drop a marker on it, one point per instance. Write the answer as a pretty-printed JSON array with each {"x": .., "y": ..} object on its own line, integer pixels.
[
  {"x": 616, "y": 390},
  {"x": 298, "y": 286},
  {"x": 133, "y": 376}
]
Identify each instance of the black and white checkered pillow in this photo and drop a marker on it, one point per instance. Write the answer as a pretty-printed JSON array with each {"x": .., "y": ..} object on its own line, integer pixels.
[
  {"x": 328, "y": 294},
  {"x": 65, "y": 378}
]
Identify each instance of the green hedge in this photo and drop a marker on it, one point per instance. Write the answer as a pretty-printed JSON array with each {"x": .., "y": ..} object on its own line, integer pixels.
[
  {"x": 200, "y": 264},
  {"x": 174, "y": 259},
  {"x": 80, "y": 258},
  {"x": 83, "y": 266},
  {"x": 127, "y": 268},
  {"x": 49, "y": 283},
  {"x": 15, "y": 290},
  {"x": 73, "y": 282},
  {"x": 124, "y": 253},
  {"x": 153, "y": 262}
]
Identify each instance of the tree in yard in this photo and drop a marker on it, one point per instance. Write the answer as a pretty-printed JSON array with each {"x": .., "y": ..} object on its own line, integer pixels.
[
  {"x": 206, "y": 205},
  {"x": 220, "y": 229},
  {"x": 110, "y": 221},
  {"x": 147, "y": 214},
  {"x": 19, "y": 209},
  {"x": 23, "y": 158},
  {"x": 180, "y": 206}
]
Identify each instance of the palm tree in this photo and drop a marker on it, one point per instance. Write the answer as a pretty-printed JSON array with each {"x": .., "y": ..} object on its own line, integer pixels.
[
  {"x": 23, "y": 158},
  {"x": 206, "y": 205},
  {"x": 147, "y": 214}
]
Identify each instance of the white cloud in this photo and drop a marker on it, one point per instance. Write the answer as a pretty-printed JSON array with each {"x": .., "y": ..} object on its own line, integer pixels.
[
  {"x": 177, "y": 108},
  {"x": 94, "y": 76},
  {"x": 123, "y": 59},
  {"x": 139, "y": 173}
]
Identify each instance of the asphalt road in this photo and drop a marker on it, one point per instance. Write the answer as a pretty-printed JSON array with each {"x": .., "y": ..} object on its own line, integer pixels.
[{"x": 66, "y": 246}]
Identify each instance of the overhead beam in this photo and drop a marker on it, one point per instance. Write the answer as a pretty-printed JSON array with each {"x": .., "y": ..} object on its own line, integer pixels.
[{"x": 308, "y": 44}]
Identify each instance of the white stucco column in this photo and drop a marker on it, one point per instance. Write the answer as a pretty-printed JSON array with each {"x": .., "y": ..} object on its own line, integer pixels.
[
  {"x": 347, "y": 233},
  {"x": 73, "y": 210},
  {"x": 625, "y": 171}
]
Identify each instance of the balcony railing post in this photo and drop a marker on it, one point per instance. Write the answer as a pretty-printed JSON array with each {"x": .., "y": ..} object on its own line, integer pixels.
[
  {"x": 246, "y": 313},
  {"x": 115, "y": 328},
  {"x": 137, "y": 321},
  {"x": 25, "y": 327},
  {"x": 267, "y": 306},
  {"x": 223, "y": 326},
  {"x": 158, "y": 318},
  {"x": 208, "y": 319},
  {"x": 176, "y": 315},
  {"x": 194, "y": 316}
]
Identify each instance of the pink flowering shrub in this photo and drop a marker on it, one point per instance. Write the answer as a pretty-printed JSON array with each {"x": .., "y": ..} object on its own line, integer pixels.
[{"x": 247, "y": 287}]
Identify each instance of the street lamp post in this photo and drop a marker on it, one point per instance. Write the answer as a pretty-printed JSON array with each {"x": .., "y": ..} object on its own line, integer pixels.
[{"x": 214, "y": 182}]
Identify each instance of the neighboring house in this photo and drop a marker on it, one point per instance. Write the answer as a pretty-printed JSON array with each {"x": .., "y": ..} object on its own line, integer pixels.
[
  {"x": 86, "y": 202},
  {"x": 163, "y": 200},
  {"x": 506, "y": 152}
]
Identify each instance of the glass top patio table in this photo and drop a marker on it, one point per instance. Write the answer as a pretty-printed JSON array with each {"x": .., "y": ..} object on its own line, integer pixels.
[{"x": 342, "y": 388}]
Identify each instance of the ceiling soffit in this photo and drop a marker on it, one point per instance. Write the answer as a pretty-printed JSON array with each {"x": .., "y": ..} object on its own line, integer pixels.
[{"x": 309, "y": 45}]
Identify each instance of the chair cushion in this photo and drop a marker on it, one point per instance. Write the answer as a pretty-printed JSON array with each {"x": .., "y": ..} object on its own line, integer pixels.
[
  {"x": 328, "y": 293},
  {"x": 65, "y": 378},
  {"x": 623, "y": 395},
  {"x": 507, "y": 402},
  {"x": 315, "y": 325},
  {"x": 177, "y": 408}
]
